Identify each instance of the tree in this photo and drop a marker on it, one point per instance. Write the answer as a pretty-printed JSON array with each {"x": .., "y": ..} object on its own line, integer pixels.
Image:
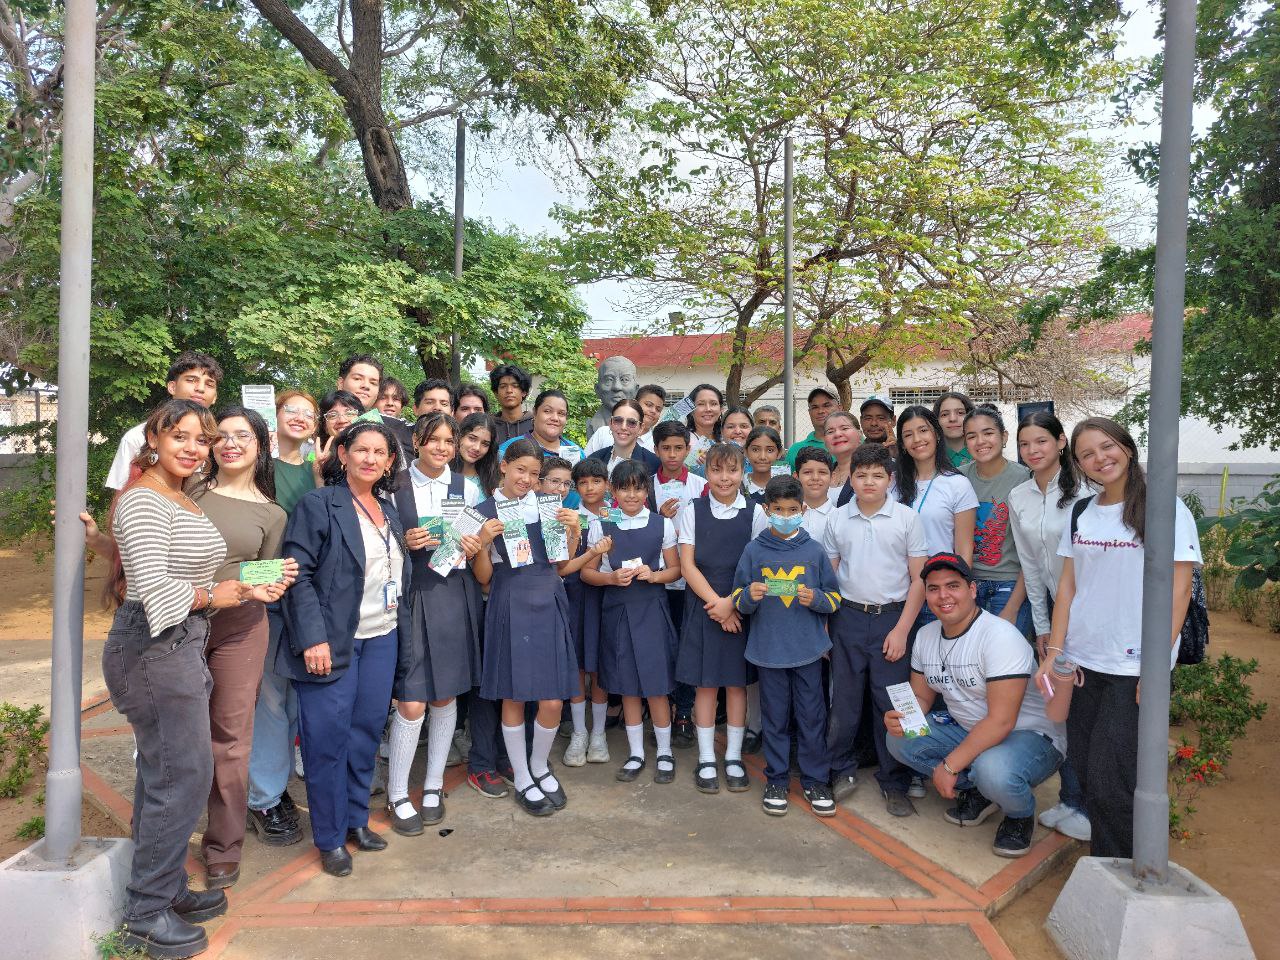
[{"x": 935, "y": 167}]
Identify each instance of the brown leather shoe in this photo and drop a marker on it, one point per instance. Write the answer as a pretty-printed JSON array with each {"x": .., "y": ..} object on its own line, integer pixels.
[{"x": 220, "y": 875}]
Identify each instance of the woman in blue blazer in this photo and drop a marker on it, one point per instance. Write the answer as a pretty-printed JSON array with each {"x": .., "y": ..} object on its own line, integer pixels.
[
  {"x": 625, "y": 423},
  {"x": 342, "y": 627}
]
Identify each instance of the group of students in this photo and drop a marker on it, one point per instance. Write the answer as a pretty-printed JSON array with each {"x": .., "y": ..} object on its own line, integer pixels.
[{"x": 821, "y": 576}]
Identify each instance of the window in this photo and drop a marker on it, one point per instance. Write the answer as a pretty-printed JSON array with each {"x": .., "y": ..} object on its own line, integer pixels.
[
  {"x": 986, "y": 393},
  {"x": 905, "y": 396}
]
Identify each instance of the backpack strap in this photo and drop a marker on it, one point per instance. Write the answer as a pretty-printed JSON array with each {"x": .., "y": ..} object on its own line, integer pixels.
[{"x": 1078, "y": 508}]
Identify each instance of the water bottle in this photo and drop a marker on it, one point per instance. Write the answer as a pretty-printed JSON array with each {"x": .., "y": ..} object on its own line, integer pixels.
[{"x": 1063, "y": 669}]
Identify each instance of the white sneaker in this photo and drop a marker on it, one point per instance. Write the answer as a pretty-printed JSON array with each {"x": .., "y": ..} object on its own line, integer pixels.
[
  {"x": 1076, "y": 826},
  {"x": 916, "y": 790},
  {"x": 575, "y": 755},
  {"x": 1054, "y": 814},
  {"x": 297, "y": 762},
  {"x": 598, "y": 751}
]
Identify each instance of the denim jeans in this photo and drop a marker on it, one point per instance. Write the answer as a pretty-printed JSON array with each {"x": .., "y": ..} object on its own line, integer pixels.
[
  {"x": 275, "y": 724},
  {"x": 161, "y": 686},
  {"x": 1005, "y": 774},
  {"x": 993, "y": 596}
]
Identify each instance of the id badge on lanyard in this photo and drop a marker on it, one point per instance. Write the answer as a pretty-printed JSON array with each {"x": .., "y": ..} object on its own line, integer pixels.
[
  {"x": 391, "y": 587},
  {"x": 391, "y": 595}
]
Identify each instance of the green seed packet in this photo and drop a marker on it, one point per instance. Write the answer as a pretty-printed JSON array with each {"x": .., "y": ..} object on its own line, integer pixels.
[
  {"x": 259, "y": 572},
  {"x": 774, "y": 587},
  {"x": 434, "y": 525}
]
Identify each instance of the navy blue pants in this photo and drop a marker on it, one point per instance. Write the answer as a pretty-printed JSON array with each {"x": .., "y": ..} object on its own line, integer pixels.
[
  {"x": 341, "y": 723},
  {"x": 794, "y": 692},
  {"x": 684, "y": 693},
  {"x": 857, "y": 661}
]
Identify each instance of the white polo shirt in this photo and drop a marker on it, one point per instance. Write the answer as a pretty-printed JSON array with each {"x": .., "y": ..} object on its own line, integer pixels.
[
  {"x": 872, "y": 551},
  {"x": 816, "y": 519},
  {"x": 429, "y": 494}
]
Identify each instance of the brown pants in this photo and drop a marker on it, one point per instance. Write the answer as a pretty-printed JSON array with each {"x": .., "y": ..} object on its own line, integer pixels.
[{"x": 236, "y": 648}]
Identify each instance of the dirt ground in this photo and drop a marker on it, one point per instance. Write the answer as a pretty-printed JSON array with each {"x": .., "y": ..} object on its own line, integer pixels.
[{"x": 1234, "y": 824}]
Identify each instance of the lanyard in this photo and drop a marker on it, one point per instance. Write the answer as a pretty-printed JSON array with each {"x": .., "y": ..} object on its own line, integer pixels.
[
  {"x": 926, "y": 493},
  {"x": 386, "y": 539}
]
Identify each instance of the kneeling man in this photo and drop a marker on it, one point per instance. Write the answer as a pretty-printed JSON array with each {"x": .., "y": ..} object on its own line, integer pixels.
[{"x": 994, "y": 744}]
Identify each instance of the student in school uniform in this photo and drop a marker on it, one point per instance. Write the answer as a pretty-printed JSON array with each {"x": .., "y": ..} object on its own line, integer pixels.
[
  {"x": 590, "y": 479},
  {"x": 877, "y": 546},
  {"x": 735, "y": 426},
  {"x": 637, "y": 639},
  {"x": 1001, "y": 586},
  {"x": 763, "y": 447},
  {"x": 674, "y": 486},
  {"x": 528, "y": 642},
  {"x": 440, "y": 652},
  {"x": 626, "y": 419},
  {"x": 477, "y": 456},
  {"x": 813, "y": 470},
  {"x": 713, "y": 531},
  {"x": 787, "y": 639}
]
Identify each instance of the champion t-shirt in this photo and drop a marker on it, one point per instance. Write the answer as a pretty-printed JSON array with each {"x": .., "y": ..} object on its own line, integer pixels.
[
  {"x": 1104, "y": 632},
  {"x": 960, "y": 668}
]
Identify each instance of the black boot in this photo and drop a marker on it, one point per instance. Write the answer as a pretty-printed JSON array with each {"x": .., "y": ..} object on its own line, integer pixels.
[
  {"x": 198, "y": 906},
  {"x": 336, "y": 862},
  {"x": 164, "y": 936}
]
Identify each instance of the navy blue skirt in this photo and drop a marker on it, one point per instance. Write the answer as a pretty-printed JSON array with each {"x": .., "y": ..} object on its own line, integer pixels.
[
  {"x": 440, "y": 652},
  {"x": 528, "y": 646},
  {"x": 637, "y": 641},
  {"x": 584, "y": 621}
]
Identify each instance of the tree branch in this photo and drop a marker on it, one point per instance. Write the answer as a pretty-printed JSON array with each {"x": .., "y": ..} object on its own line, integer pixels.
[{"x": 313, "y": 50}]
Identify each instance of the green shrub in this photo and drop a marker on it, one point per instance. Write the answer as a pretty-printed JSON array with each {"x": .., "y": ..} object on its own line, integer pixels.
[
  {"x": 22, "y": 735},
  {"x": 33, "y": 829}
]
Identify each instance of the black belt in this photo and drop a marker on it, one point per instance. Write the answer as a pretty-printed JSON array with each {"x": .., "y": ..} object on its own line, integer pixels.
[{"x": 875, "y": 609}]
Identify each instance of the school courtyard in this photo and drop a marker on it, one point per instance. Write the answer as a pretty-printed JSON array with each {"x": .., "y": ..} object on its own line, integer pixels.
[{"x": 642, "y": 870}]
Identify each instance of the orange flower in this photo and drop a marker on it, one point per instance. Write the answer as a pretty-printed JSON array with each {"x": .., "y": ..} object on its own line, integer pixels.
[{"x": 1186, "y": 753}]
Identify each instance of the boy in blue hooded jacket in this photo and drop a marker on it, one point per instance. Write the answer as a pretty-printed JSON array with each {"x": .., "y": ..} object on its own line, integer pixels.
[{"x": 786, "y": 584}]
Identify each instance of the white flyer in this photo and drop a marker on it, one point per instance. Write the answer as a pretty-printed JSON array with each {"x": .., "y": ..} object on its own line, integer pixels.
[
  {"x": 678, "y": 411},
  {"x": 632, "y": 563},
  {"x": 448, "y": 556},
  {"x": 904, "y": 701},
  {"x": 260, "y": 398}
]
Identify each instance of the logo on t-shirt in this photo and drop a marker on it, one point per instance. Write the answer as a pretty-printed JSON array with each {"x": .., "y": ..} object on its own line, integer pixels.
[{"x": 990, "y": 532}]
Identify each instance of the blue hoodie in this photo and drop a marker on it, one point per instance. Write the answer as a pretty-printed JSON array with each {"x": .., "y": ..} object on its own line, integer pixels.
[{"x": 785, "y": 633}]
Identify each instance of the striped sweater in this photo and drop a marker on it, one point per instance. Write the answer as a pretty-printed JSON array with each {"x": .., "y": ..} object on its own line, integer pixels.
[{"x": 166, "y": 553}]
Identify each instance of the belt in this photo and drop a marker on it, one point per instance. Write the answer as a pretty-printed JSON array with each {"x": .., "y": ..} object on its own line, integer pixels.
[{"x": 875, "y": 609}]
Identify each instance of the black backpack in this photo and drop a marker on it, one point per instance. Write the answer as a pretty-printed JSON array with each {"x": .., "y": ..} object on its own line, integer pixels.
[{"x": 1195, "y": 628}]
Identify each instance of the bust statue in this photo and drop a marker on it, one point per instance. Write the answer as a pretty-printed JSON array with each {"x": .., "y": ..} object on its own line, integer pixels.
[{"x": 615, "y": 380}]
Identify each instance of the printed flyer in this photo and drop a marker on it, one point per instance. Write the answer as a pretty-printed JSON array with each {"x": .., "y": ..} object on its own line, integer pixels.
[
  {"x": 554, "y": 536},
  {"x": 515, "y": 535}
]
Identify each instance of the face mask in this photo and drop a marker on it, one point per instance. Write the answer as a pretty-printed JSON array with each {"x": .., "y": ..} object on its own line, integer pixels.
[{"x": 786, "y": 525}]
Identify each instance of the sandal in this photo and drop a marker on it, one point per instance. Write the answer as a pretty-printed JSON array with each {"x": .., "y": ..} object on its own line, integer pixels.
[
  {"x": 432, "y": 815},
  {"x": 709, "y": 784},
  {"x": 626, "y": 774},
  {"x": 664, "y": 776}
]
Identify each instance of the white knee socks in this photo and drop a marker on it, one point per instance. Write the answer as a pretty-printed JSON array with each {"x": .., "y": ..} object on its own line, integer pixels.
[
  {"x": 599, "y": 711},
  {"x": 707, "y": 745},
  {"x": 543, "y": 738},
  {"x": 513, "y": 737},
  {"x": 404, "y": 744},
  {"x": 663, "y": 736},
  {"x": 733, "y": 750},
  {"x": 635, "y": 744},
  {"x": 579, "y": 711},
  {"x": 439, "y": 737}
]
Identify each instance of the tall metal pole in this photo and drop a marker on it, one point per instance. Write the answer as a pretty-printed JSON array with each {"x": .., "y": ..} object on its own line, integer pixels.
[
  {"x": 788, "y": 309},
  {"x": 1151, "y": 800},
  {"x": 63, "y": 785},
  {"x": 459, "y": 189}
]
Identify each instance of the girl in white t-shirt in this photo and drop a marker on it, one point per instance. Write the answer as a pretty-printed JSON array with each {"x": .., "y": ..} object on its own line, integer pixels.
[
  {"x": 1097, "y": 624},
  {"x": 932, "y": 487}
]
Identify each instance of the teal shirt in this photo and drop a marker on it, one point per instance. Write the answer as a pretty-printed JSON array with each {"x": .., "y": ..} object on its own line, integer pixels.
[
  {"x": 293, "y": 480},
  {"x": 810, "y": 441}
]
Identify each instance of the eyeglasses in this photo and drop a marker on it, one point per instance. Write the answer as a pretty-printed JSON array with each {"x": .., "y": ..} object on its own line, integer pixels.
[
  {"x": 333, "y": 415},
  {"x": 242, "y": 438},
  {"x": 304, "y": 412},
  {"x": 557, "y": 484},
  {"x": 625, "y": 422}
]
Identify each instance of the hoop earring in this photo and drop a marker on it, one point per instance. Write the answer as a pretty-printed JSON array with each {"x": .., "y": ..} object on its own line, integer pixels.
[{"x": 153, "y": 458}]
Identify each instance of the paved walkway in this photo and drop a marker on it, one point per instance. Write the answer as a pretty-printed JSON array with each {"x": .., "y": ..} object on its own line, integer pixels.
[{"x": 626, "y": 870}]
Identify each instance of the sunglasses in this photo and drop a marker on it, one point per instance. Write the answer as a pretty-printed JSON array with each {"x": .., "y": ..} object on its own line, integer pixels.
[{"x": 625, "y": 422}]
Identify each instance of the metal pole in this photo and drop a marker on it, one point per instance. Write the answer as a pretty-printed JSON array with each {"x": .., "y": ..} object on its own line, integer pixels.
[
  {"x": 1151, "y": 800},
  {"x": 788, "y": 309},
  {"x": 459, "y": 189},
  {"x": 63, "y": 784},
  {"x": 36, "y": 391}
]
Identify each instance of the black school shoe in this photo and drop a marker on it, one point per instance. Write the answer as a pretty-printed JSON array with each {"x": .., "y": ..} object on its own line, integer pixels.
[
  {"x": 288, "y": 807},
  {"x": 165, "y": 936},
  {"x": 708, "y": 784},
  {"x": 273, "y": 827},
  {"x": 667, "y": 775},
  {"x": 542, "y": 807},
  {"x": 557, "y": 796},
  {"x": 627, "y": 774},
  {"x": 735, "y": 782},
  {"x": 752, "y": 741},
  {"x": 1013, "y": 836},
  {"x": 432, "y": 815},
  {"x": 366, "y": 839},
  {"x": 971, "y": 808},
  {"x": 408, "y": 824},
  {"x": 336, "y": 862},
  {"x": 200, "y": 906}
]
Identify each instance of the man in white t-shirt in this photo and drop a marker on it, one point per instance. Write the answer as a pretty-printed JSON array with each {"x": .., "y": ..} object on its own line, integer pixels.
[
  {"x": 994, "y": 745},
  {"x": 192, "y": 376}
]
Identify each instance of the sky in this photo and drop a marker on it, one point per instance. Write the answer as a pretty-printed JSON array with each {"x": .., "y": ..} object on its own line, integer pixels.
[{"x": 509, "y": 193}]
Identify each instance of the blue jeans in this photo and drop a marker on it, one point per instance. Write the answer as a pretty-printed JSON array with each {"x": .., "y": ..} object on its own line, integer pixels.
[
  {"x": 993, "y": 596},
  {"x": 275, "y": 724},
  {"x": 1005, "y": 774}
]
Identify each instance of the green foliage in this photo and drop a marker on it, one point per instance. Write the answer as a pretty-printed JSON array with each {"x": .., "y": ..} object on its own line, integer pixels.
[
  {"x": 1215, "y": 699},
  {"x": 32, "y": 829},
  {"x": 22, "y": 734},
  {"x": 110, "y": 946},
  {"x": 1254, "y": 538}
]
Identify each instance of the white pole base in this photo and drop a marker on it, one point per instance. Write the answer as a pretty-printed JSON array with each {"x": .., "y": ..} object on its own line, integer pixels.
[
  {"x": 1105, "y": 913},
  {"x": 54, "y": 909}
]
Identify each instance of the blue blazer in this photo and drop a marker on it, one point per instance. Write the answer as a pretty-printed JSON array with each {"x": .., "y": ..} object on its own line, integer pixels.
[
  {"x": 323, "y": 605},
  {"x": 648, "y": 460}
]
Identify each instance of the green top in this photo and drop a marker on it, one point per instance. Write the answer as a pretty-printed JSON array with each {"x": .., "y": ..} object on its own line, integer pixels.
[
  {"x": 292, "y": 481},
  {"x": 810, "y": 441},
  {"x": 959, "y": 457}
]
